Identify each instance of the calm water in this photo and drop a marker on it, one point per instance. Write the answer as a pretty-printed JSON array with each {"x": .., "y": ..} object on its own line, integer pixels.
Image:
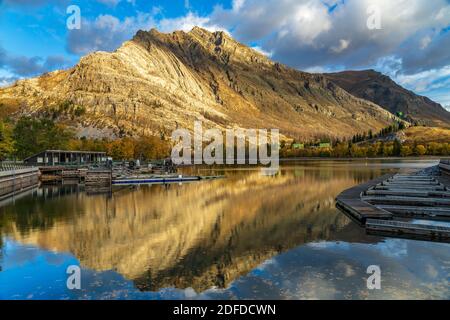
[{"x": 246, "y": 236}]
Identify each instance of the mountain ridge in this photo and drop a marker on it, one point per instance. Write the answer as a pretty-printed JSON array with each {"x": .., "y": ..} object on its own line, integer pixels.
[
  {"x": 382, "y": 90},
  {"x": 157, "y": 82}
]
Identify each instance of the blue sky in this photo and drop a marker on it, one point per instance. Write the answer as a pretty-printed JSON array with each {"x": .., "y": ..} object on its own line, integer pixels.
[{"x": 412, "y": 43}]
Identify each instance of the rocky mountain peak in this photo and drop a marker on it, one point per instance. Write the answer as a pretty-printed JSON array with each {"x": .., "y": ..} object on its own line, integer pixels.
[{"x": 157, "y": 82}]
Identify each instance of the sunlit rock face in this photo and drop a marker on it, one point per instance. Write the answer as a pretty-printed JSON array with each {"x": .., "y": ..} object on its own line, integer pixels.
[
  {"x": 157, "y": 82},
  {"x": 197, "y": 235}
]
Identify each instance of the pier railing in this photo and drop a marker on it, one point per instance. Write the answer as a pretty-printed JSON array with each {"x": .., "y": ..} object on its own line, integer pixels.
[
  {"x": 15, "y": 179},
  {"x": 12, "y": 166}
]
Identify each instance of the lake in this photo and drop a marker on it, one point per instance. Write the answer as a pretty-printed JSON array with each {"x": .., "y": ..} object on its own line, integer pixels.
[{"x": 247, "y": 236}]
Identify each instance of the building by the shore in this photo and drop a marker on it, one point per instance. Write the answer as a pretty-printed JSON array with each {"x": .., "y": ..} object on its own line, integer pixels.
[{"x": 65, "y": 157}]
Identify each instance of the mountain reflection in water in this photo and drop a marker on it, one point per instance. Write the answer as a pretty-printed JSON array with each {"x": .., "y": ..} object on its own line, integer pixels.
[{"x": 198, "y": 235}]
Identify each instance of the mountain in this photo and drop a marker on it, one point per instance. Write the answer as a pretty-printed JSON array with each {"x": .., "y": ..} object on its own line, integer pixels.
[
  {"x": 157, "y": 82},
  {"x": 382, "y": 90}
]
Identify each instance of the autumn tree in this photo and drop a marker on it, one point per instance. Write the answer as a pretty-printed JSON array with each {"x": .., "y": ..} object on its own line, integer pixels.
[
  {"x": 34, "y": 135},
  {"x": 420, "y": 150},
  {"x": 6, "y": 141},
  {"x": 406, "y": 151},
  {"x": 122, "y": 149},
  {"x": 152, "y": 147},
  {"x": 341, "y": 150}
]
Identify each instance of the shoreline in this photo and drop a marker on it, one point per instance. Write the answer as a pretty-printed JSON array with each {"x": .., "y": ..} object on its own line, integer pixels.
[
  {"x": 424, "y": 158},
  {"x": 324, "y": 159}
]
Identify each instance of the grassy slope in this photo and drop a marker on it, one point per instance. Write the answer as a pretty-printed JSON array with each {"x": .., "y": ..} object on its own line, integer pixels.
[{"x": 427, "y": 134}]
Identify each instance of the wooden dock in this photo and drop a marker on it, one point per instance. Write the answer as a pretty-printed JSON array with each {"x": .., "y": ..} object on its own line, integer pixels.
[
  {"x": 96, "y": 179},
  {"x": 59, "y": 174},
  {"x": 444, "y": 166},
  {"x": 386, "y": 205},
  {"x": 99, "y": 178},
  {"x": 404, "y": 229},
  {"x": 162, "y": 179},
  {"x": 351, "y": 203},
  {"x": 17, "y": 180}
]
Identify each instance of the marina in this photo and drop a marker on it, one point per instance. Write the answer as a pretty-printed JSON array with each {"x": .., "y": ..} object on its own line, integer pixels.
[
  {"x": 239, "y": 153},
  {"x": 96, "y": 177},
  {"x": 387, "y": 204},
  {"x": 247, "y": 236}
]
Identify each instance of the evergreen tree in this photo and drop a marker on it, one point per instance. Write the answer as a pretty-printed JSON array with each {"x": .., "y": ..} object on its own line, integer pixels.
[
  {"x": 397, "y": 148},
  {"x": 34, "y": 135}
]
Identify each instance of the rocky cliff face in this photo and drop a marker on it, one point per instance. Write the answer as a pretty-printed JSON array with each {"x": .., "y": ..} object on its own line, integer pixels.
[
  {"x": 157, "y": 82},
  {"x": 382, "y": 90}
]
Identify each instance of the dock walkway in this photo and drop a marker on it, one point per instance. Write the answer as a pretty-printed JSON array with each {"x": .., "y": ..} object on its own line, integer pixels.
[
  {"x": 17, "y": 180},
  {"x": 160, "y": 179},
  {"x": 388, "y": 204}
]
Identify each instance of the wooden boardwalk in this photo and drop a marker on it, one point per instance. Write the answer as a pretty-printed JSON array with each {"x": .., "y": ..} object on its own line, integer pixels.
[
  {"x": 350, "y": 202},
  {"x": 385, "y": 205},
  {"x": 411, "y": 211},
  {"x": 18, "y": 180},
  {"x": 444, "y": 166},
  {"x": 413, "y": 230}
]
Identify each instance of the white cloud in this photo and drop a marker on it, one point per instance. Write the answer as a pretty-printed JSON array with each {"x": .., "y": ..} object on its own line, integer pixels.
[
  {"x": 307, "y": 22},
  {"x": 186, "y": 23},
  {"x": 113, "y": 3},
  {"x": 7, "y": 81},
  {"x": 309, "y": 35},
  {"x": 343, "y": 45},
  {"x": 426, "y": 80},
  {"x": 262, "y": 51},
  {"x": 237, "y": 5},
  {"x": 20, "y": 65},
  {"x": 410, "y": 47},
  {"x": 304, "y": 33},
  {"x": 442, "y": 98},
  {"x": 106, "y": 32},
  {"x": 425, "y": 42},
  {"x": 320, "y": 69}
]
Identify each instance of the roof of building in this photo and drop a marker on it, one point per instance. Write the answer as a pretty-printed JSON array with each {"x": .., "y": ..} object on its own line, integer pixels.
[{"x": 65, "y": 151}]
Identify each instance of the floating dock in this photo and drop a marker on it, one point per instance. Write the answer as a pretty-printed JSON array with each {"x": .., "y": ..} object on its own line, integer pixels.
[
  {"x": 160, "y": 179},
  {"x": 413, "y": 230},
  {"x": 405, "y": 205},
  {"x": 96, "y": 179}
]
